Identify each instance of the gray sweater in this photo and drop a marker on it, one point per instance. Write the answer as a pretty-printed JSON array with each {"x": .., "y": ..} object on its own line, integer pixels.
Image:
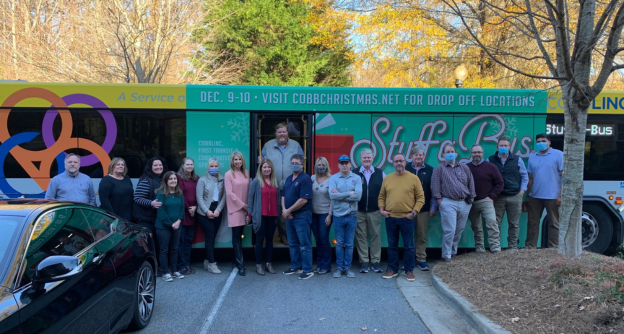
[
  {"x": 254, "y": 203},
  {"x": 321, "y": 203},
  {"x": 205, "y": 193}
]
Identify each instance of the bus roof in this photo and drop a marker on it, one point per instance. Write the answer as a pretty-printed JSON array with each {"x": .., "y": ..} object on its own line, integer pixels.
[{"x": 268, "y": 98}]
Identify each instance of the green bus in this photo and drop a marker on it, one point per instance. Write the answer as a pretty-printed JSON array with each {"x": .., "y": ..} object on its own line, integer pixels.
[{"x": 40, "y": 123}]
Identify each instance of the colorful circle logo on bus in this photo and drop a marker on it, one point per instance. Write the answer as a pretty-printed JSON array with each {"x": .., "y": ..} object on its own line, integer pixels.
[{"x": 38, "y": 163}]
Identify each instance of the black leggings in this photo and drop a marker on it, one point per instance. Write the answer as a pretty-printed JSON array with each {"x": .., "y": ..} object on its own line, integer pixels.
[
  {"x": 266, "y": 232},
  {"x": 210, "y": 227},
  {"x": 237, "y": 235}
]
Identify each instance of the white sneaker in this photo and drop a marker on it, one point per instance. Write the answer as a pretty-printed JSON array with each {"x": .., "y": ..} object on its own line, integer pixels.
[
  {"x": 167, "y": 278},
  {"x": 178, "y": 275}
]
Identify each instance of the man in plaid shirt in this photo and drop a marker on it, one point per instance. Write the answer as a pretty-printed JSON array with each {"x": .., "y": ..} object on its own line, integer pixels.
[{"x": 452, "y": 186}]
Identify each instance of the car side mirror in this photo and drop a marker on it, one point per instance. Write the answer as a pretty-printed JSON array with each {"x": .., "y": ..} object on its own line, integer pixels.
[{"x": 56, "y": 268}]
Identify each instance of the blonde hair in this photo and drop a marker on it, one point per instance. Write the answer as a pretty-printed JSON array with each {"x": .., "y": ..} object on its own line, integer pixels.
[
  {"x": 324, "y": 162},
  {"x": 112, "y": 164},
  {"x": 210, "y": 161},
  {"x": 233, "y": 168},
  {"x": 260, "y": 176}
]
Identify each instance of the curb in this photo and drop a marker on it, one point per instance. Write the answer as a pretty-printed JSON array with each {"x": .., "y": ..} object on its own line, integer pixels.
[{"x": 465, "y": 309}]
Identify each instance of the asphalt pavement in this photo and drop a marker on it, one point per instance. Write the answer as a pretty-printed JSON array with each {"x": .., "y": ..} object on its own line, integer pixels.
[{"x": 207, "y": 303}]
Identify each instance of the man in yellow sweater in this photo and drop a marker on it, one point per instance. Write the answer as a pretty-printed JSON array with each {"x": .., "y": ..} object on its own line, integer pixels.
[{"x": 400, "y": 199}]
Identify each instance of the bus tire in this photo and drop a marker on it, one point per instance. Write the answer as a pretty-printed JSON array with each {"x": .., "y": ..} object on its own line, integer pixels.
[{"x": 597, "y": 228}]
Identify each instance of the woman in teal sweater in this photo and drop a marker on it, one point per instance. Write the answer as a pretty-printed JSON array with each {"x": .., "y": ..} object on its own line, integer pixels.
[{"x": 168, "y": 219}]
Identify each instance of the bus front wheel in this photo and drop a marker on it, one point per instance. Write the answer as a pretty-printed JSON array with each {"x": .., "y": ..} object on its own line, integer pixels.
[{"x": 597, "y": 228}]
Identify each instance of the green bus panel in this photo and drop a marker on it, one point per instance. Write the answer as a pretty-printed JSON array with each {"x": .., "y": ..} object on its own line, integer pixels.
[{"x": 216, "y": 135}]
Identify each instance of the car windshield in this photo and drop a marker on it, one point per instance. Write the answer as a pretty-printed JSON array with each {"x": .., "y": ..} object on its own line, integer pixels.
[{"x": 8, "y": 226}]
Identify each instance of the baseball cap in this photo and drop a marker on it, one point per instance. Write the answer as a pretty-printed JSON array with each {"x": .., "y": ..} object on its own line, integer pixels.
[{"x": 344, "y": 158}]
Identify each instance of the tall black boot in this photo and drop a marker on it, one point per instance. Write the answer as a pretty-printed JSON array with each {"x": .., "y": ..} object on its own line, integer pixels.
[{"x": 238, "y": 258}]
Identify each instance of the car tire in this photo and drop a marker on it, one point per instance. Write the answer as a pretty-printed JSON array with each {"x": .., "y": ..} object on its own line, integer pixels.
[
  {"x": 144, "y": 297},
  {"x": 593, "y": 214}
]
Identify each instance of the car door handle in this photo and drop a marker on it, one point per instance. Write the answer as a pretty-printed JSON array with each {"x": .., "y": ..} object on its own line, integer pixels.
[{"x": 98, "y": 258}]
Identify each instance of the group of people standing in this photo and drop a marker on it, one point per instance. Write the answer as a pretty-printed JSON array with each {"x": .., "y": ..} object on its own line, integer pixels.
[{"x": 353, "y": 200}]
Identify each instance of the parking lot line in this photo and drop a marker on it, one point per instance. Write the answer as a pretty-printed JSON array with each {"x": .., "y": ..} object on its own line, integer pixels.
[{"x": 217, "y": 305}]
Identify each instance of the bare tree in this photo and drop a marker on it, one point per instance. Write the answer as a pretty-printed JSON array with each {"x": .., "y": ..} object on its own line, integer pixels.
[
  {"x": 142, "y": 41},
  {"x": 579, "y": 47}
]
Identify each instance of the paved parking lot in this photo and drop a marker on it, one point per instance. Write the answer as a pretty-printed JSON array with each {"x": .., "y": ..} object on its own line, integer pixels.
[{"x": 278, "y": 304}]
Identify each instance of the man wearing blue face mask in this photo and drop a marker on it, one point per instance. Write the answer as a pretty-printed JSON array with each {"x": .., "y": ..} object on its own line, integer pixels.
[
  {"x": 545, "y": 168},
  {"x": 296, "y": 206},
  {"x": 452, "y": 186},
  {"x": 516, "y": 179}
]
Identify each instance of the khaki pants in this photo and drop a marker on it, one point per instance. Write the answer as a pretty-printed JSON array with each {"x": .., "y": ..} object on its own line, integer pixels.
[
  {"x": 512, "y": 204},
  {"x": 536, "y": 208},
  {"x": 368, "y": 228},
  {"x": 422, "y": 221},
  {"x": 484, "y": 208}
]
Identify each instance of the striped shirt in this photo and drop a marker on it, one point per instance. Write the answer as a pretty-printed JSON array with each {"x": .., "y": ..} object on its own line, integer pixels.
[
  {"x": 142, "y": 193},
  {"x": 452, "y": 181}
]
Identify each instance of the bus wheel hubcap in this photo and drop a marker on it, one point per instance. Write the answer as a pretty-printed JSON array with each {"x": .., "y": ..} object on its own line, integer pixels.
[{"x": 590, "y": 229}]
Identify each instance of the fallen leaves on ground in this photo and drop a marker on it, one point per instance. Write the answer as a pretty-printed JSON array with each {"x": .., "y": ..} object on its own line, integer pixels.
[{"x": 539, "y": 291}]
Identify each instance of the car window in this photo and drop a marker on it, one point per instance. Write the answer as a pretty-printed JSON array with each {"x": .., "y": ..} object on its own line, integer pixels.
[
  {"x": 8, "y": 226},
  {"x": 101, "y": 224},
  {"x": 58, "y": 232}
]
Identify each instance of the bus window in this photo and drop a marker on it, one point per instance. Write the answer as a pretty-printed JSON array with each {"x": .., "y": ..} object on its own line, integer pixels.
[{"x": 604, "y": 147}]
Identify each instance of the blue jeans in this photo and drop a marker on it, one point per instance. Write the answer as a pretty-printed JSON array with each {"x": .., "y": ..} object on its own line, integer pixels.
[
  {"x": 344, "y": 227},
  {"x": 405, "y": 227},
  {"x": 298, "y": 231},
  {"x": 321, "y": 235},
  {"x": 186, "y": 243}
]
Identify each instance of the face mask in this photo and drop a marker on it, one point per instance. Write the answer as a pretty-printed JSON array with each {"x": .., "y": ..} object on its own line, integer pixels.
[
  {"x": 450, "y": 157},
  {"x": 296, "y": 168},
  {"x": 503, "y": 150},
  {"x": 541, "y": 146},
  {"x": 213, "y": 171},
  {"x": 321, "y": 169}
]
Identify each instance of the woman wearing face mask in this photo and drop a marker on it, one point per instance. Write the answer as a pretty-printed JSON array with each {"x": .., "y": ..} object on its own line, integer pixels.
[
  {"x": 145, "y": 202},
  {"x": 168, "y": 220},
  {"x": 264, "y": 209},
  {"x": 187, "y": 179},
  {"x": 321, "y": 215},
  {"x": 116, "y": 191},
  {"x": 236, "y": 197},
  {"x": 210, "y": 195}
]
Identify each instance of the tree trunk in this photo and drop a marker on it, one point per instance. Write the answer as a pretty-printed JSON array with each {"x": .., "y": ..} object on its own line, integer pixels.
[{"x": 572, "y": 180}]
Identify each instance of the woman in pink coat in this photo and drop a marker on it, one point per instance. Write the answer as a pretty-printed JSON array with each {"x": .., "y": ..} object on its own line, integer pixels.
[{"x": 236, "y": 196}]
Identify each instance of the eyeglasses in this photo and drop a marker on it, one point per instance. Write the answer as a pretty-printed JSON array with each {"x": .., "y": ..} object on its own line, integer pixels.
[
  {"x": 477, "y": 152},
  {"x": 399, "y": 161}
]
